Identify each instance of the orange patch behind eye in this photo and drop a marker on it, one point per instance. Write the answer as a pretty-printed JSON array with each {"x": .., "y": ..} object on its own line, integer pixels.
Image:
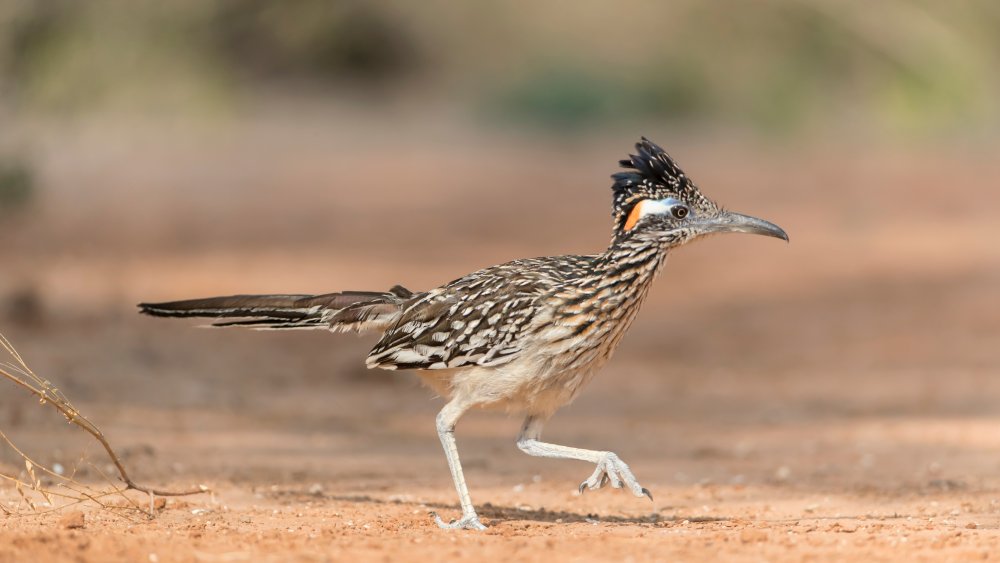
[{"x": 634, "y": 215}]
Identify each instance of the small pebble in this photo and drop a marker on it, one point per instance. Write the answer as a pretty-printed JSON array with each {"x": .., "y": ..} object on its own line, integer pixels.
[
  {"x": 72, "y": 520},
  {"x": 848, "y": 527}
]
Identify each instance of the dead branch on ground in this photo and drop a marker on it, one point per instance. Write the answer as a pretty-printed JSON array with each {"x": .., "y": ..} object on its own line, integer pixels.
[{"x": 70, "y": 491}]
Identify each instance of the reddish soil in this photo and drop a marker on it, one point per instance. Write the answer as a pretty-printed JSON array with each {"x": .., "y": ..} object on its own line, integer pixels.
[{"x": 836, "y": 398}]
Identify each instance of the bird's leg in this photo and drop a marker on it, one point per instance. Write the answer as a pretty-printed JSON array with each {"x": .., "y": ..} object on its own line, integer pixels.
[
  {"x": 446, "y": 420},
  {"x": 610, "y": 468}
]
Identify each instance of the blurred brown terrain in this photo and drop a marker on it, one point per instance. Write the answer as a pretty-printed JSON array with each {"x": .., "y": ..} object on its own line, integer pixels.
[{"x": 837, "y": 397}]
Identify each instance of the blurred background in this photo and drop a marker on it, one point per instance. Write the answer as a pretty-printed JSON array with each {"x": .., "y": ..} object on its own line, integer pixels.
[{"x": 156, "y": 151}]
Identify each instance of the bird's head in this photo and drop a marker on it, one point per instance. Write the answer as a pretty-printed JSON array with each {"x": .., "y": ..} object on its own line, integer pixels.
[{"x": 653, "y": 198}]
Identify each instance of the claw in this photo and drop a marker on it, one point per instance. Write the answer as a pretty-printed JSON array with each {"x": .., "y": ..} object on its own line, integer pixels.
[
  {"x": 467, "y": 522},
  {"x": 611, "y": 469}
]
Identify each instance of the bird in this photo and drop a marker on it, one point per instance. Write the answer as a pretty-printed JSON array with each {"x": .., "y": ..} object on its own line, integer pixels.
[{"x": 525, "y": 336}]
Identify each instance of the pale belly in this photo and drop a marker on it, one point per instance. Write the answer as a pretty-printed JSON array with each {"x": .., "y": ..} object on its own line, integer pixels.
[{"x": 536, "y": 387}]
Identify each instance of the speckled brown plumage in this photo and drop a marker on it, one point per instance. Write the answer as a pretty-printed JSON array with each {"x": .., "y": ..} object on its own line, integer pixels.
[{"x": 525, "y": 336}]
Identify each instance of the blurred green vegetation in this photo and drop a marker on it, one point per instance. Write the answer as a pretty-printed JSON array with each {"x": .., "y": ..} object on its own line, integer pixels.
[
  {"x": 17, "y": 186},
  {"x": 773, "y": 65}
]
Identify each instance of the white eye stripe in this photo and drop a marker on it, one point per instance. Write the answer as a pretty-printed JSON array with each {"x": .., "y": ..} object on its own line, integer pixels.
[{"x": 657, "y": 206}]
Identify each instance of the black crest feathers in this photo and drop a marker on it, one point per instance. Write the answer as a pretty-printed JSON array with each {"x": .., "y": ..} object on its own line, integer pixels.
[{"x": 652, "y": 174}]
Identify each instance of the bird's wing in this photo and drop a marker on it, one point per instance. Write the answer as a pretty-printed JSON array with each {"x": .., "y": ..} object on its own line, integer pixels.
[{"x": 480, "y": 319}]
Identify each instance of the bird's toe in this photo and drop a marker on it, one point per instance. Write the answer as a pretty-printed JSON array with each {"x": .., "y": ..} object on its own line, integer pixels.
[
  {"x": 467, "y": 522},
  {"x": 611, "y": 469}
]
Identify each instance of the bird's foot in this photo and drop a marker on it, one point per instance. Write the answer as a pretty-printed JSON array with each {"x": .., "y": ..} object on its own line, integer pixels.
[
  {"x": 466, "y": 522},
  {"x": 611, "y": 469}
]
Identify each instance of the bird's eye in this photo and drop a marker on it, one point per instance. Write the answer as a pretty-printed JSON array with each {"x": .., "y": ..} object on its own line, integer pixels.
[{"x": 679, "y": 211}]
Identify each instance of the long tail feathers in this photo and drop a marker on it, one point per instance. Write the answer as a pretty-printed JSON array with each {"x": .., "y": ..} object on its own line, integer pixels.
[{"x": 342, "y": 312}]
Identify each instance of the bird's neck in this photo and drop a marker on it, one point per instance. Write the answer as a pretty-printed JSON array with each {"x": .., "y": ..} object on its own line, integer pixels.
[{"x": 630, "y": 263}]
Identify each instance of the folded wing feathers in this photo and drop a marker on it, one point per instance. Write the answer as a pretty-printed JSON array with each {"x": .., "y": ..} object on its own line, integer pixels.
[{"x": 365, "y": 316}]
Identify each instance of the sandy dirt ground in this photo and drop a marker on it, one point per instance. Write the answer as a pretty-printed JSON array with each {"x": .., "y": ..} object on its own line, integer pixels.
[{"x": 836, "y": 398}]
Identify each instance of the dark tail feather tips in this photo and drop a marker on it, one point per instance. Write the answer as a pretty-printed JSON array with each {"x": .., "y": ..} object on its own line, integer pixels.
[
  {"x": 230, "y": 306},
  {"x": 158, "y": 310}
]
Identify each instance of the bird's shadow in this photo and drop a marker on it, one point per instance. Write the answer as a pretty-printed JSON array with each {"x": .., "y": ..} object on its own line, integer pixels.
[
  {"x": 500, "y": 514},
  {"x": 514, "y": 514}
]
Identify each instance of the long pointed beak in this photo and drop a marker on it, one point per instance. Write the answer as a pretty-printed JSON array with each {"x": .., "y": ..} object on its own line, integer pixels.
[{"x": 729, "y": 222}]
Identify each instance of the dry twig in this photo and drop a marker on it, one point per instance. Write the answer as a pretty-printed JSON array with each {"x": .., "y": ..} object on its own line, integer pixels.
[{"x": 20, "y": 374}]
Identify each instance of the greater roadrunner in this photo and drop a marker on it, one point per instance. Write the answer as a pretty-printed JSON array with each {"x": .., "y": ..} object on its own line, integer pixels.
[{"x": 523, "y": 336}]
